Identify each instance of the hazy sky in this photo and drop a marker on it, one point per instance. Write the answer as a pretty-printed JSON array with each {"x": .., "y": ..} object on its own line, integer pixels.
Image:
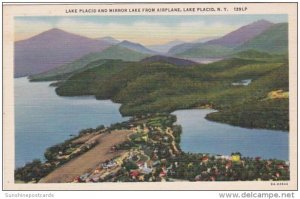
[{"x": 147, "y": 30}]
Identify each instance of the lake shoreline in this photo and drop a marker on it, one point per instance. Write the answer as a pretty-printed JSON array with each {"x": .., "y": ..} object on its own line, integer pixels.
[
  {"x": 60, "y": 155},
  {"x": 202, "y": 135},
  {"x": 203, "y": 106},
  {"x": 142, "y": 129},
  {"x": 43, "y": 119}
]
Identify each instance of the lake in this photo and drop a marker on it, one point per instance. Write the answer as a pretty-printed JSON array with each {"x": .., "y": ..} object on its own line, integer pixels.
[
  {"x": 203, "y": 136},
  {"x": 43, "y": 119}
]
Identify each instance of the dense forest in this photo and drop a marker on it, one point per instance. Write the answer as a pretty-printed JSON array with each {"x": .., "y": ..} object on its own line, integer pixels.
[{"x": 163, "y": 87}]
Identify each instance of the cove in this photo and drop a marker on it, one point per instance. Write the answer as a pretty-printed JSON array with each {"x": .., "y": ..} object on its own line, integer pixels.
[{"x": 202, "y": 136}]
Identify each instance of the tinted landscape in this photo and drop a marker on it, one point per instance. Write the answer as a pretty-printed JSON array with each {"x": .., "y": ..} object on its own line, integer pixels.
[{"x": 239, "y": 79}]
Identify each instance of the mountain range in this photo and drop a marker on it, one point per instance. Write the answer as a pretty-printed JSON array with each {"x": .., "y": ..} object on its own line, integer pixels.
[
  {"x": 114, "y": 52},
  {"x": 145, "y": 81},
  {"x": 242, "y": 35},
  {"x": 260, "y": 35},
  {"x": 273, "y": 40},
  {"x": 56, "y": 51},
  {"x": 136, "y": 47},
  {"x": 51, "y": 49}
]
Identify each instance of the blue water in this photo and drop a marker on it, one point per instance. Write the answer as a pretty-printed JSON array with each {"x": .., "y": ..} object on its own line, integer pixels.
[
  {"x": 43, "y": 119},
  {"x": 203, "y": 136}
]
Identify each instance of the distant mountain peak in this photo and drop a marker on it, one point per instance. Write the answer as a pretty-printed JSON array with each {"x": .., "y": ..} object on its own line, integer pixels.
[
  {"x": 55, "y": 31},
  {"x": 262, "y": 21},
  {"x": 273, "y": 40},
  {"x": 51, "y": 49},
  {"x": 128, "y": 42},
  {"x": 242, "y": 34},
  {"x": 56, "y": 34},
  {"x": 231, "y": 40},
  {"x": 136, "y": 47},
  {"x": 109, "y": 39}
]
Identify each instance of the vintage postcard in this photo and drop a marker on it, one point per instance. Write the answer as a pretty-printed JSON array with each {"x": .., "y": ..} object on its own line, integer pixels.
[{"x": 137, "y": 96}]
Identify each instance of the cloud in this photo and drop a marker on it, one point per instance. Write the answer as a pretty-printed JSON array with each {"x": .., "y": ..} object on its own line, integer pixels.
[{"x": 140, "y": 31}]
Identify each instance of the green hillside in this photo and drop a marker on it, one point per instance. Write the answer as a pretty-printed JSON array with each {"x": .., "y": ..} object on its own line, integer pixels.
[
  {"x": 114, "y": 52},
  {"x": 273, "y": 40},
  {"x": 159, "y": 87},
  {"x": 86, "y": 82},
  {"x": 119, "y": 52},
  {"x": 253, "y": 54}
]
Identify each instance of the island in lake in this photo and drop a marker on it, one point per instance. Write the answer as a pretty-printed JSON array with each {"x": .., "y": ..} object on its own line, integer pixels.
[{"x": 194, "y": 108}]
